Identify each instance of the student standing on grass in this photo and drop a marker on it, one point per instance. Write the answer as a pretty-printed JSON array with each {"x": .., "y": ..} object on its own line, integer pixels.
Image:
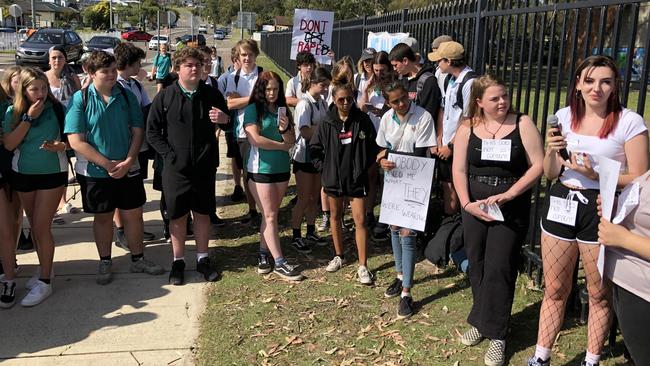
[
  {"x": 409, "y": 129},
  {"x": 594, "y": 124},
  {"x": 364, "y": 71},
  {"x": 309, "y": 113},
  {"x": 493, "y": 247},
  {"x": 342, "y": 149},
  {"x": 161, "y": 68},
  {"x": 182, "y": 126},
  {"x": 306, "y": 63},
  {"x": 33, "y": 130},
  {"x": 129, "y": 62},
  {"x": 239, "y": 86},
  {"x": 105, "y": 128},
  {"x": 271, "y": 135}
]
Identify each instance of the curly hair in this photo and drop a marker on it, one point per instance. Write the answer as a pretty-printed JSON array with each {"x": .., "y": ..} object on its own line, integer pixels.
[
  {"x": 186, "y": 53},
  {"x": 127, "y": 54},
  {"x": 258, "y": 95},
  {"x": 99, "y": 60}
]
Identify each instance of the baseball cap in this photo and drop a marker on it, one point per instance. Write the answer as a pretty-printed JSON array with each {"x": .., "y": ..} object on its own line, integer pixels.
[
  {"x": 448, "y": 50},
  {"x": 368, "y": 54},
  {"x": 437, "y": 42},
  {"x": 413, "y": 43}
]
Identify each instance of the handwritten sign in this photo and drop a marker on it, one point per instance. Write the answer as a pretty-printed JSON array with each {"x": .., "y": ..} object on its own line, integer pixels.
[
  {"x": 384, "y": 41},
  {"x": 496, "y": 150},
  {"x": 312, "y": 32},
  {"x": 407, "y": 189}
]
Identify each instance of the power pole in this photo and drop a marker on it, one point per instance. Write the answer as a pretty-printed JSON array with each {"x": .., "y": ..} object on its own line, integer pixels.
[
  {"x": 110, "y": 12},
  {"x": 241, "y": 19},
  {"x": 33, "y": 17}
]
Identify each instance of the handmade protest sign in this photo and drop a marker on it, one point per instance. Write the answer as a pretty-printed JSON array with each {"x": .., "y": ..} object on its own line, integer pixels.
[
  {"x": 384, "y": 41},
  {"x": 608, "y": 178},
  {"x": 312, "y": 32},
  {"x": 407, "y": 189}
]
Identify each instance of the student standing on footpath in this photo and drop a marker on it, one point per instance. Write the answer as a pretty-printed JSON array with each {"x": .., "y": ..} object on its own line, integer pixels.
[
  {"x": 161, "y": 68},
  {"x": 270, "y": 133},
  {"x": 33, "y": 131},
  {"x": 504, "y": 179},
  {"x": 342, "y": 149},
  {"x": 182, "y": 126},
  {"x": 594, "y": 124},
  {"x": 306, "y": 63},
  {"x": 310, "y": 112},
  {"x": 409, "y": 129},
  {"x": 239, "y": 86},
  {"x": 105, "y": 128},
  {"x": 450, "y": 57}
]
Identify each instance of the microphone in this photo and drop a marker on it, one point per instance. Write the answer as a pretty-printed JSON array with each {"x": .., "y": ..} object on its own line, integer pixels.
[{"x": 553, "y": 121}]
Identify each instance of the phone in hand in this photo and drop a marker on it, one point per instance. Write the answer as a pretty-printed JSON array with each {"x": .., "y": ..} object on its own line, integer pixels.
[{"x": 282, "y": 112}]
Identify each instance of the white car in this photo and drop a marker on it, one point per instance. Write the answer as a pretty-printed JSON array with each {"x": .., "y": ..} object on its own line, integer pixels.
[
  {"x": 203, "y": 28},
  {"x": 153, "y": 44}
]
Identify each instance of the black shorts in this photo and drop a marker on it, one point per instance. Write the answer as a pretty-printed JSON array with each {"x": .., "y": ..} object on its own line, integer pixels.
[
  {"x": 244, "y": 150},
  {"x": 233, "y": 150},
  {"x": 304, "y": 167},
  {"x": 36, "y": 182},
  {"x": 269, "y": 178},
  {"x": 586, "y": 228},
  {"x": 444, "y": 169},
  {"x": 184, "y": 194},
  {"x": 102, "y": 195}
]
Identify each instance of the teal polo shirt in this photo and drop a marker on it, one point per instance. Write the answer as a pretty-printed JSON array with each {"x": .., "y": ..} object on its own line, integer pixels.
[
  {"x": 106, "y": 126},
  {"x": 163, "y": 64},
  {"x": 29, "y": 158},
  {"x": 264, "y": 161}
]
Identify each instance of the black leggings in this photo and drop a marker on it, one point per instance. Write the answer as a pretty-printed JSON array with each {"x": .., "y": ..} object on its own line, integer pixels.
[
  {"x": 633, "y": 315},
  {"x": 493, "y": 252}
]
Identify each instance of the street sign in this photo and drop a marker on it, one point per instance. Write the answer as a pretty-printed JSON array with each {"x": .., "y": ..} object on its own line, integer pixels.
[
  {"x": 15, "y": 10},
  {"x": 246, "y": 20},
  {"x": 172, "y": 17}
]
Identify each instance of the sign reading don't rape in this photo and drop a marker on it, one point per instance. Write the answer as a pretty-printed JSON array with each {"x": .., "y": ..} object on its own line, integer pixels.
[
  {"x": 407, "y": 189},
  {"x": 312, "y": 32}
]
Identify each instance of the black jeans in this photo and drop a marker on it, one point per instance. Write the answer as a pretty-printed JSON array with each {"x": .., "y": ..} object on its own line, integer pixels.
[
  {"x": 493, "y": 252},
  {"x": 633, "y": 315}
]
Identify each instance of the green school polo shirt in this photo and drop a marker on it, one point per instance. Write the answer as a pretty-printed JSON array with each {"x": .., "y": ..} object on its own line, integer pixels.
[
  {"x": 163, "y": 65},
  {"x": 266, "y": 161},
  {"x": 106, "y": 126},
  {"x": 29, "y": 158}
]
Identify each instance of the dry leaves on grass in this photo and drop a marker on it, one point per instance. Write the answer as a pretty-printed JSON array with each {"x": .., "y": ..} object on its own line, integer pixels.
[{"x": 276, "y": 349}]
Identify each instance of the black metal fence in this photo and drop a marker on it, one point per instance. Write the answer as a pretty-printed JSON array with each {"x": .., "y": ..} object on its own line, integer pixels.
[{"x": 534, "y": 45}]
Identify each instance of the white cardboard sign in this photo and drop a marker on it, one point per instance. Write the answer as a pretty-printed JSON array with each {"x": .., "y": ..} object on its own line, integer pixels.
[{"x": 312, "y": 32}]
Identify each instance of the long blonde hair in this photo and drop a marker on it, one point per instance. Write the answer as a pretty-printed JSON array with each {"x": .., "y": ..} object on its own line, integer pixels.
[
  {"x": 479, "y": 86},
  {"x": 21, "y": 103},
  {"x": 9, "y": 74}
]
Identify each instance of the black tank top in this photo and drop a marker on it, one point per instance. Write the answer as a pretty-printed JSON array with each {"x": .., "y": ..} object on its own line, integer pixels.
[{"x": 516, "y": 167}]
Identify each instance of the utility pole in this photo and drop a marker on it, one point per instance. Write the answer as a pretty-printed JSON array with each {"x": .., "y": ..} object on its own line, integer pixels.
[
  {"x": 110, "y": 12},
  {"x": 241, "y": 19},
  {"x": 33, "y": 17}
]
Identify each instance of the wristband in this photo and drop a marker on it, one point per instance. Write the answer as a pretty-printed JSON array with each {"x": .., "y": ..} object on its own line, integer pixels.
[
  {"x": 26, "y": 118},
  {"x": 465, "y": 205}
]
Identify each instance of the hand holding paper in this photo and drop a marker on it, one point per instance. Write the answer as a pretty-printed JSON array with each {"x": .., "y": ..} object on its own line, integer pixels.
[{"x": 608, "y": 179}]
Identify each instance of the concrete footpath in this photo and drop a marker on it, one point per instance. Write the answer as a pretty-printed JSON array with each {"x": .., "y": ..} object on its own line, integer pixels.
[{"x": 138, "y": 319}]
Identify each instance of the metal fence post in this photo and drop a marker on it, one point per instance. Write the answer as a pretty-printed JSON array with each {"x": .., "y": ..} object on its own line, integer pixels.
[
  {"x": 479, "y": 30},
  {"x": 402, "y": 26},
  {"x": 363, "y": 32}
]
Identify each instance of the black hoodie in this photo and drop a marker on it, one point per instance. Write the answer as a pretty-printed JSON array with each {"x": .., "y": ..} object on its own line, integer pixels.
[
  {"x": 429, "y": 97},
  {"x": 325, "y": 150},
  {"x": 180, "y": 129}
]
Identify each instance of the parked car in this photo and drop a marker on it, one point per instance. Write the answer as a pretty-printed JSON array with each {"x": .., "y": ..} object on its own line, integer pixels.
[
  {"x": 7, "y": 30},
  {"x": 101, "y": 43},
  {"x": 219, "y": 34},
  {"x": 155, "y": 41},
  {"x": 34, "y": 50},
  {"x": 198, "y": 38},
  {"x": 203, "y": 28},
  {"x": 137, "y": 35}
]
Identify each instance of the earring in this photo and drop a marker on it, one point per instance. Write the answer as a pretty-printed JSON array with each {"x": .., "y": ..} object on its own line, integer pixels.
[{"x": 578, "y": 94}]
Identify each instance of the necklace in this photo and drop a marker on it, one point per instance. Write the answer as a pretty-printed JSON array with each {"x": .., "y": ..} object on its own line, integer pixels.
[{"x": 494, "y": 134}]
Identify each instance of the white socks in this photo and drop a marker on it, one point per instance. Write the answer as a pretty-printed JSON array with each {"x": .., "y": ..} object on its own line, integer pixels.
[
  {"x": 405, "y": 294},
  {"x": 179, "y": 259},
  {"x": 542, "y": 353},
  {"x": 591, "y": 358}
]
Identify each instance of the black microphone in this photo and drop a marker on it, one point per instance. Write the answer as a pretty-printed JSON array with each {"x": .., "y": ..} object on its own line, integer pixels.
[{"x": 553, "y": 121}]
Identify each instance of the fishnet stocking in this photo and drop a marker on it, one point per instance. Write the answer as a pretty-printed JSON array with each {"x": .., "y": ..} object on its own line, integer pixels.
[
  {"x": 558, "y": 261},
  {"x": 599, "y": 321}
]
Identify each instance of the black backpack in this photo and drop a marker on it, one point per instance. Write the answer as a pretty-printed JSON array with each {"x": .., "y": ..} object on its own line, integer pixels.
[
  {"x": 84, "y": 96},
  {"x": 448, "y": 239},
  {"x": 459, "y": 93},
  {"x": 420, "y": 85}
]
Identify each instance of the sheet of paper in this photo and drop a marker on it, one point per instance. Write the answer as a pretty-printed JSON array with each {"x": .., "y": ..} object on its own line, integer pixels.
[
  {"x": 627, "y": 201},
  {"x": 494, "y": 212},
  {"x": 608, "y": 178}
]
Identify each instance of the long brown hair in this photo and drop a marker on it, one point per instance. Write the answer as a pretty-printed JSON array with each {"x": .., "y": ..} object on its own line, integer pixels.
[
  {"x": 479, "y": 86},
  {"x": 258, "y": 94},
  {"x": 577, "y": 103},
  {"x": 21, "y": 103}
]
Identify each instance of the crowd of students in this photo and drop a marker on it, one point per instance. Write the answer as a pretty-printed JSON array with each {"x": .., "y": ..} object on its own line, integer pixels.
[{"x": 337, "y": 140}]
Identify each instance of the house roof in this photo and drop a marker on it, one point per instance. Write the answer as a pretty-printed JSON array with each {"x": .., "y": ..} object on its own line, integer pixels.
[{"x": 42, "y": 7}]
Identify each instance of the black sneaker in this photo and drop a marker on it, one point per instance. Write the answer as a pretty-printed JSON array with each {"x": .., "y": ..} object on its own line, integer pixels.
[
  {"x": 177, "y": 274},
  {"x": 300, "y": 245},
  {"x": 255, "y": 219},
  {"x": 370, "y": 220},
  {"x": 8, "y": 294},
  {"x": 405, "y": 307},
  {"x": 288, "y": 272},
  {"x": 585, "y": 363},
  {"x": 264, "y": 263},
  {"x": 315, "y": 239},
  {"x": 25, "y": 242},
  {"x": 216, "y": 220},
  {"x": 394, "y": 288},
  {"x": 209, "y": 273},
  {"x": 238, "y": 194}
]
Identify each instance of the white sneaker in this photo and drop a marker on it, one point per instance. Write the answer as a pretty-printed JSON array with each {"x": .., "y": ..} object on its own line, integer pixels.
[
  {"x": 364, "y": 276},
  {"x": 37, "y": 294},
  {"x": 335, "y": 264},
  {"x": 31, "y": 282}
]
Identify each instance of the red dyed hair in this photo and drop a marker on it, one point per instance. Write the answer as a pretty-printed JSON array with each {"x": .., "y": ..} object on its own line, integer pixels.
[{"x": 577, "y": 104}]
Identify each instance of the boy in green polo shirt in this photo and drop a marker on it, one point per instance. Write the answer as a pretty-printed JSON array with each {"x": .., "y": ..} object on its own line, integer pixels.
[{"x": 105, "y": 128}]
